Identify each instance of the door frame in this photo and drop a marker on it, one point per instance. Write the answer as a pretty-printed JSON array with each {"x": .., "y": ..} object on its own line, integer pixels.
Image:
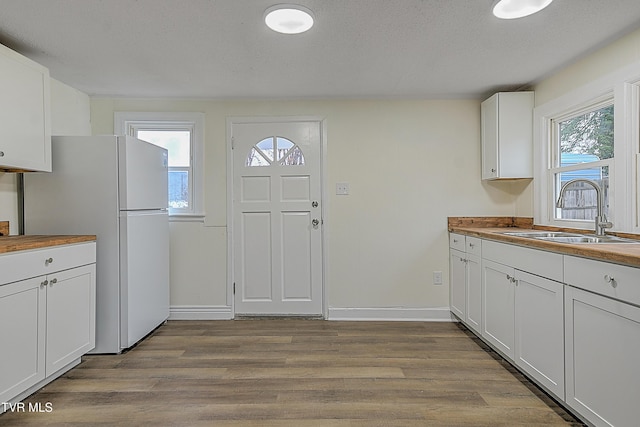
[{"x": 323, "y": 194}]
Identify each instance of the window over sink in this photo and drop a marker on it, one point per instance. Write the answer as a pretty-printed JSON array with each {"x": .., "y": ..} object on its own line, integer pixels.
[
  {"x": 582, "y": 147},
  {"x": 592, "y": 133}
]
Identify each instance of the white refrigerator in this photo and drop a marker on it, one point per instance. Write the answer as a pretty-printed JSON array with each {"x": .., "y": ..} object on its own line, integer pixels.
[{"x": 116, "y": 188}]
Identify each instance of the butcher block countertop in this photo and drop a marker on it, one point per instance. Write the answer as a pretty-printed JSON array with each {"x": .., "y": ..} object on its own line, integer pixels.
[
  {"x": 493, "y": 228},
  {"x": 23, "y": 243}
]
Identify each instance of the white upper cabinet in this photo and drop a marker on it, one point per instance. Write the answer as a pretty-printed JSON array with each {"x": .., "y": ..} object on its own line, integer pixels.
[
  {"x": 25, "y": 130},
  {"x": 507, "y": 136}
]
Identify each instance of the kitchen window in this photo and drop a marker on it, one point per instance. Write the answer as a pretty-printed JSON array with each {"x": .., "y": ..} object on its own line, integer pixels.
[
  {"x": 582, "y": 148},
  {"x": 590, "y": 133},
  {"x": 182, "y": 135}
]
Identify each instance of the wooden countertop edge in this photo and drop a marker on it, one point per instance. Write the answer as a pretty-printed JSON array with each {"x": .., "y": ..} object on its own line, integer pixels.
[
  {"x": 22, "y": 243},
  {"x": 619, "y": 253}
]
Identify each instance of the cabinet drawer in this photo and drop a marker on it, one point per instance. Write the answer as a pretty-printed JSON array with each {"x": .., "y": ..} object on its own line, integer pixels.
[
  {"x": 473, "y": 245},
  {"x": 534, "y": 261},
  {"x": 612, "y": 280},
  {"x": 20, "y": 265},
  {"x": 457, "y": 241}
]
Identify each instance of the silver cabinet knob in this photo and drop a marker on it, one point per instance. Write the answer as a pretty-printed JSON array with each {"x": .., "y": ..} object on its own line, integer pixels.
[
  {"x": 315, "y": 223},
  {"x": 1, "y": 153},
  {"x": 53, "y": 282},
  {"x": 610, "y": 280},
  {"x": 48, "y": 261},
  {"x": 45, "y": 283},
  {"x": 314, "y": 204}
]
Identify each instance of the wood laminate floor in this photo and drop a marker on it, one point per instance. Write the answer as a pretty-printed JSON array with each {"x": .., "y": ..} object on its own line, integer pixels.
[{"x": 296, "y": 373}]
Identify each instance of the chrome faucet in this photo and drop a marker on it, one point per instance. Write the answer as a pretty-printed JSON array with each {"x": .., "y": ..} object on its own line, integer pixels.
[{"x": 601, "y": 222}]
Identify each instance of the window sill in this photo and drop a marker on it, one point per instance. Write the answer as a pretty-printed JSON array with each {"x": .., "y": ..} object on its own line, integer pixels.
[{"x": 186, "y": 218}]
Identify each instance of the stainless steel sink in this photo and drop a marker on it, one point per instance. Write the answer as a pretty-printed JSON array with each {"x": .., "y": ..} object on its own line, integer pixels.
[
  {"x": 541, "y": 234},
  {"x": 564, "y": 237},
  {"x": 588, "y": 239}
]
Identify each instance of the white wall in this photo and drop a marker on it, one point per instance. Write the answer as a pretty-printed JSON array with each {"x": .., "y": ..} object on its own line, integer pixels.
[
  {"x": 69, "y": 116},
  {"x": 606, "y": 60},
  {"x": 614, "y": 56},
  {"x": 410, "y": 164}
]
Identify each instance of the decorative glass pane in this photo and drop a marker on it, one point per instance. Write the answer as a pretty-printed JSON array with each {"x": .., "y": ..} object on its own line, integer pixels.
[
  {"x": 266, "y": 146},
  {"x": 178, "y": 189},
  {"x": 177, "y": 143},
  {"x": 580, "y": 199},
  {"x": 256, "y": 159},
  {"x": 284, "y": 150},
  {"x": 284, "y": 145},
  {"x": 294, "y": 158},
  {"x": 588, "y": 137}
]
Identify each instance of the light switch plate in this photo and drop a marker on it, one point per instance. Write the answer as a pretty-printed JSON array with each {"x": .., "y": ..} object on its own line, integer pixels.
[{"x": 342, "y": 188}]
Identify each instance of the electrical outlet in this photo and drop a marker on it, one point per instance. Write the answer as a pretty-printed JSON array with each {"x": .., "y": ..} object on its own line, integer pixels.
[
  {"x": 437, "y": 277},
  {"x": 342, "y": 188}
]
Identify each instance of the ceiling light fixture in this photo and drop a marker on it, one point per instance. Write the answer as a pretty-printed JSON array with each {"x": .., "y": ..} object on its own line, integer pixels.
[
  {"x": 288, "y": 18},
  {"x": 512, "y": 9}
]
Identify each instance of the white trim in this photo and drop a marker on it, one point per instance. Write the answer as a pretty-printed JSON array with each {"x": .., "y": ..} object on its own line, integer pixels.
[
  {"x": 122, "y": 119},
  {"x": 392, "y": 314},
  {"x": 323, "y": 188},
  {"x": 200, "y": 312},
  {"x": 186, "y": 218}
]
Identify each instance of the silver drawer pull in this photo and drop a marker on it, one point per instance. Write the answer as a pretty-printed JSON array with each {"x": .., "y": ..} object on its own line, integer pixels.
[
  {"x": 45, "y": 283},
  {"x": 472, "y": 245},
  {"x": 611, "y": 280},
  {"x": 48, "y": 261},
  {"x": 53, "y": 281}
]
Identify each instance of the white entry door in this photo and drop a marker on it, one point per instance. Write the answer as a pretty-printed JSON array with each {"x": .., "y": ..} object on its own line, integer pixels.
[{"x": 277, "y": 241}]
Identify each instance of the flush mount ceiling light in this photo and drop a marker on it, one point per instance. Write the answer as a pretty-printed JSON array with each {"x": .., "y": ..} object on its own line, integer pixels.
[
  {"x": 512, "y": 9},
  {"x": 288, "y": 18}
]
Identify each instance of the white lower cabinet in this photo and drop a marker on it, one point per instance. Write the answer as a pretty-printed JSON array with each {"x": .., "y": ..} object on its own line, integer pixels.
[
  {"x": 466, "y": 280},
  {"x": 498, "y": 306},
  {"x": 570, "y": 324},
  {"x": 48, "y": 320},
  {"x": 70, "y": 316},
  {"x": 457, "y": 280},
  {"x": 539, "y": 335},
  {"x": 602, "y": 347},
  {"x": 22, "y": 316},
  {"x": 523, "y": 313},
  {"x": 474, "y": 293}
]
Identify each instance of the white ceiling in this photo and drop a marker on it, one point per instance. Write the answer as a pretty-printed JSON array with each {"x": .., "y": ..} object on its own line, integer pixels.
[{"x": 358, "y": 48}]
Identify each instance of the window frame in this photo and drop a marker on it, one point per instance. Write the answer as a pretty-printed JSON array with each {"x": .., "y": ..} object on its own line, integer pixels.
[
  {"x": 623, "y": 86},
  {"x": 555, "y": 160},
  {"x": 129, "y": 123}
]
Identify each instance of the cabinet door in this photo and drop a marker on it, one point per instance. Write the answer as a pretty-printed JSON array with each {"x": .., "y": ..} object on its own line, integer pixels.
[
  {"x": 71, "y": 301},
  {"x": 457, "y": 283},
  {"x": 22, "y": 314},
  {"x": 498, "y": 306},
  {"x": 539, "y": 323},
  {"x": 602, "y": 348},
  {"x": 24, "y": 113},
  {"x": 489, "y": 129},
  {"x": 474, "y": 293}
]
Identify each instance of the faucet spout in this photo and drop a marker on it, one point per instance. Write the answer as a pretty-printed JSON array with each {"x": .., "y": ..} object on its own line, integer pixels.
[{"x": 601, "y": 222}]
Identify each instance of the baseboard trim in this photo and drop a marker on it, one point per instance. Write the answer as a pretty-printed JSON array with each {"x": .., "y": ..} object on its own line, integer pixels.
[
  {"x": 200, "y": 312},
  {"x": 392, "y": 314}
]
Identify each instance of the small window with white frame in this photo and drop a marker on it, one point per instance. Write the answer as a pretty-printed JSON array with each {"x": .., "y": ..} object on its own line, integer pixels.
[
  {"x": 182, "y": 135},
  {"x": 582, "y": 154}
]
